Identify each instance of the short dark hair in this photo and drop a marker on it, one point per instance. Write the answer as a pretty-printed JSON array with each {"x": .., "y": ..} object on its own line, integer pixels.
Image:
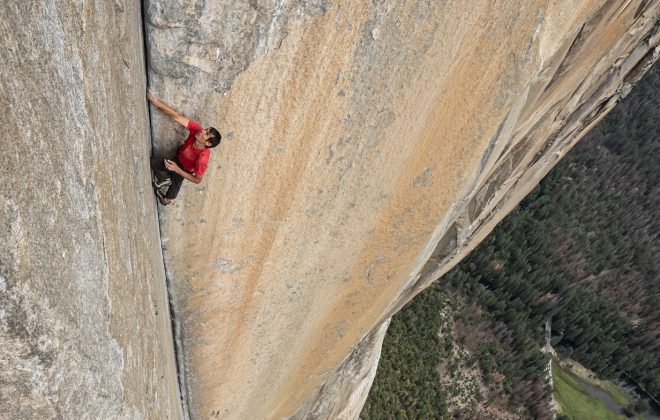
[{"x": 214, "y": 137}]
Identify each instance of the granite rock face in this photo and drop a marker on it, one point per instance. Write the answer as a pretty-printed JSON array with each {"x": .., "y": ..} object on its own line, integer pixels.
[
  {"x": 368, "y": 146},
  {"x": 84, "y": 322}
]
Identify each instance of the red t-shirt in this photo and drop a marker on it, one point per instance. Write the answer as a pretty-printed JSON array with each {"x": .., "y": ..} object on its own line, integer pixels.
[{"x": 193, "y": 160}]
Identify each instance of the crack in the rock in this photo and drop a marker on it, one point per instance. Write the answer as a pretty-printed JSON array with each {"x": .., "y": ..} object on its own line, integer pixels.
[{"x": 175, "y": 325}]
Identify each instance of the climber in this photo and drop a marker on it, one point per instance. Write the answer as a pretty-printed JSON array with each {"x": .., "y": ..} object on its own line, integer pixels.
[{"x": 191, "y": 159}]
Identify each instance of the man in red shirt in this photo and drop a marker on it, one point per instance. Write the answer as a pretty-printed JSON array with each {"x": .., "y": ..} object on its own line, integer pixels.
[{"x": 191, "y": 159}]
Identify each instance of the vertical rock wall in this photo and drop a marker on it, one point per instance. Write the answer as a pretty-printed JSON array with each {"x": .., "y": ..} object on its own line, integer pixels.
[
  {"x": 84, "y": 323},
  {"x": 368, "y": 146},
  {"x": 577, "y": 87}
]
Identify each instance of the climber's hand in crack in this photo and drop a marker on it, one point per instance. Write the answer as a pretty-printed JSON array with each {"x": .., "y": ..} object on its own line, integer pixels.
[
  {"x": 150, "y": 96},
  {"x": 166, "y": 109}
]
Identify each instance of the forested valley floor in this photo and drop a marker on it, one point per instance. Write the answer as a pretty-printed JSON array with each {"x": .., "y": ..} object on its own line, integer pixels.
[{"x": 581, "y": 251}]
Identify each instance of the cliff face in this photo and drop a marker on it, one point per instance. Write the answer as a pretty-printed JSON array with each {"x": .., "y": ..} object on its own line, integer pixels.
[
  {"x": 84, "y": 326},
  {"x": 368, "y": 147}
]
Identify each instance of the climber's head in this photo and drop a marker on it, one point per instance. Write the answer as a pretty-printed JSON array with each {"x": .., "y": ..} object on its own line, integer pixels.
[
  {"x": 214, "y": 137},
  {"x": 209, "y": 137}
]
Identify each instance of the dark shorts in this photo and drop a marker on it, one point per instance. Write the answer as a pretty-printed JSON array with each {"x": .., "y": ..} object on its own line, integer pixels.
[{"x": 162, "y": 173}]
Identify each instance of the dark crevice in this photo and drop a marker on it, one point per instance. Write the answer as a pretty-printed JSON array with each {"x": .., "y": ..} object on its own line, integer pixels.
[
  {"x": 641, "y": 8},
  {"x": 175, "y": 324}
]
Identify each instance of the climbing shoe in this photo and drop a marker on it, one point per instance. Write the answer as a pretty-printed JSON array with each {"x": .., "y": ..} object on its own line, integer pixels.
[
  {"x": 162, "y": 184},
  {"x": 161, "y": 197}
]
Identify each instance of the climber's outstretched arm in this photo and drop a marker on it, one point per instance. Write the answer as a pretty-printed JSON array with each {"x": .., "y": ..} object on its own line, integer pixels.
[{"x": 166, "y": 109}]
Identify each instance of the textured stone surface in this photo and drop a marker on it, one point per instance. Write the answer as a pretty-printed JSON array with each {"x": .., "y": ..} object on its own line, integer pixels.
[
  {"x": 84, "y": 324},
  {"x": 368, "y": 147},
  {"x": 345, "y": 390}
]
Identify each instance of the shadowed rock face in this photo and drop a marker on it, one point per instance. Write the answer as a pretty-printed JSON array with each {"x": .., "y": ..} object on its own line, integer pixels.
[
  {"x": 84, "y": 326},
  {"x": 367, "y": 148}
]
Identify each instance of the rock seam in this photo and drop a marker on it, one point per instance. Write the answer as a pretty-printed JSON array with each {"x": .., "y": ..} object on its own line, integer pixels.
[{"x": 177, "y": 344}]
